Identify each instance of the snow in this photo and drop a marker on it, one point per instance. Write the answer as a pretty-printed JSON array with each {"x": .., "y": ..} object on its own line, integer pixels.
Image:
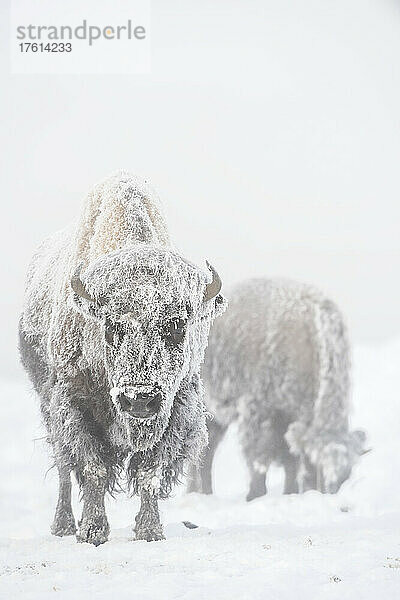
[{"x": 276, "y": 547}]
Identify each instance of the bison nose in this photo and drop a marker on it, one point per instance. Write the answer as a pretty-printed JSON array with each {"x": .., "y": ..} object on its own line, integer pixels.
[
  {"x": 142, "y": 405},
  {"x": 152, "y": 402}
]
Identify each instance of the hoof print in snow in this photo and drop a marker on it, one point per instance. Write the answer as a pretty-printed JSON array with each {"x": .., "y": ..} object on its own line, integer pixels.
[
  {"x": 308, "y": 541},
  {"x": 190, "y": 525},
  {"x": 266, "y": 546},
  {"x": 393, "y": 563}
]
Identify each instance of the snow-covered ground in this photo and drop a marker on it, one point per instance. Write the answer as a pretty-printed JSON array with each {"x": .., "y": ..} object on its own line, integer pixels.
[{"x": 276, "y": 547}]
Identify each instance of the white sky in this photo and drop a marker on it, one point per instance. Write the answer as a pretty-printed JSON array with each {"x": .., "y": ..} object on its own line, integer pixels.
[{"x": 271, "y": 130}]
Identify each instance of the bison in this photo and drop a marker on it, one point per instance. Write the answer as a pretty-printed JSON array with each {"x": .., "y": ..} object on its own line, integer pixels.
[
  {"x": 112, "y": 334},
  {"x": 278, "y": 363}
]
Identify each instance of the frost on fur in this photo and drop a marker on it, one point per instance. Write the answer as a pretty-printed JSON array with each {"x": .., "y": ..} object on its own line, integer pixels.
[
  {"x": 278, "y": 363},
  {"x": 113, "y": 332}
]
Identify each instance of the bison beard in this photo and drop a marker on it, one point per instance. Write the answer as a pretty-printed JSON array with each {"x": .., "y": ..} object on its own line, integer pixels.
[{"x": 112, "y": 335}]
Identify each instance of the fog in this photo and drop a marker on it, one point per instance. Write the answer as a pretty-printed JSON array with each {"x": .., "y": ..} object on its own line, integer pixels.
[{"x": 271, "y": 130}]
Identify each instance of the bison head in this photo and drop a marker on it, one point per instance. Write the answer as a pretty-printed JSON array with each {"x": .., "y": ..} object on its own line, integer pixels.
[
  {"x": 150, "y": 313},
  {"x": 336, "y": 461}
]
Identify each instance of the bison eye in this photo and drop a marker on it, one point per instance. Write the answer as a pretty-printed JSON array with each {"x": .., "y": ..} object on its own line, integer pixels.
[
  {"x": 175, "y": 331},
  {"x": 113, "y": 333}
]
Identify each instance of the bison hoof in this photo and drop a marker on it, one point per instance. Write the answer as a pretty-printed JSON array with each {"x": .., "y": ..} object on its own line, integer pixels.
[
  {"x": 253, "y": 494},
  {"x": 149, "y": 535},
  {"x": 93, "y": 531},
  {"x": 63, "y": 525}
]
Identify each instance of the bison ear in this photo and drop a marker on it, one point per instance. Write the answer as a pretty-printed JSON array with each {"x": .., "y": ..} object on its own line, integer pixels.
[
  {"x": 221, "y": 304},
  {"x": 78, "y": 287}
]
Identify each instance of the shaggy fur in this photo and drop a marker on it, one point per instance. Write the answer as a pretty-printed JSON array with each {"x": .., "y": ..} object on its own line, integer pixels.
[
  {"x": 278, "y": 363},
  {"x": 82, "y": 353}
]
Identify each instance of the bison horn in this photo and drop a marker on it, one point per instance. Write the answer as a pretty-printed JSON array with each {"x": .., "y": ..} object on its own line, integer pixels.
[
  {"x": 366, "y": 451},
  {"x": 213, "y": 288},
  {"x": 78, "y": 286}
]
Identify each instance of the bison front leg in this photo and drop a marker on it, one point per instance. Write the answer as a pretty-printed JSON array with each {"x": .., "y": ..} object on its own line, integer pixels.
[
  {"x": 257, "y": 440},
  {"x": 71, "y": 430},
  {"x": 307, "y": 475},
  {"x": 148, "y": 525},
  {"x": 64, "y": 522},
  {"x": 200, "y": 476},
  {"x": 291, "y": 465},
  {"x": 93, "y": 526}
]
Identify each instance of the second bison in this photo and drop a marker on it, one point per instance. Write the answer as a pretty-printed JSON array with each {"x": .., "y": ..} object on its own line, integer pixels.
[{"x": 278, "y": 363}]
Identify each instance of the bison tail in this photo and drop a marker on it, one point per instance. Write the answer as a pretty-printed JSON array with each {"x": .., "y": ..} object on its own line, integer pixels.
[
  {"x": 331, "y": 408},
  {"x": 331, "y": 401}
]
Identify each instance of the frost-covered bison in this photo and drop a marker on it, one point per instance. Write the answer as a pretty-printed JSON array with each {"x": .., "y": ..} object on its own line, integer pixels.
[
  {"x": 278, "y": 363},
  {"x": 113, "y": 332}
]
